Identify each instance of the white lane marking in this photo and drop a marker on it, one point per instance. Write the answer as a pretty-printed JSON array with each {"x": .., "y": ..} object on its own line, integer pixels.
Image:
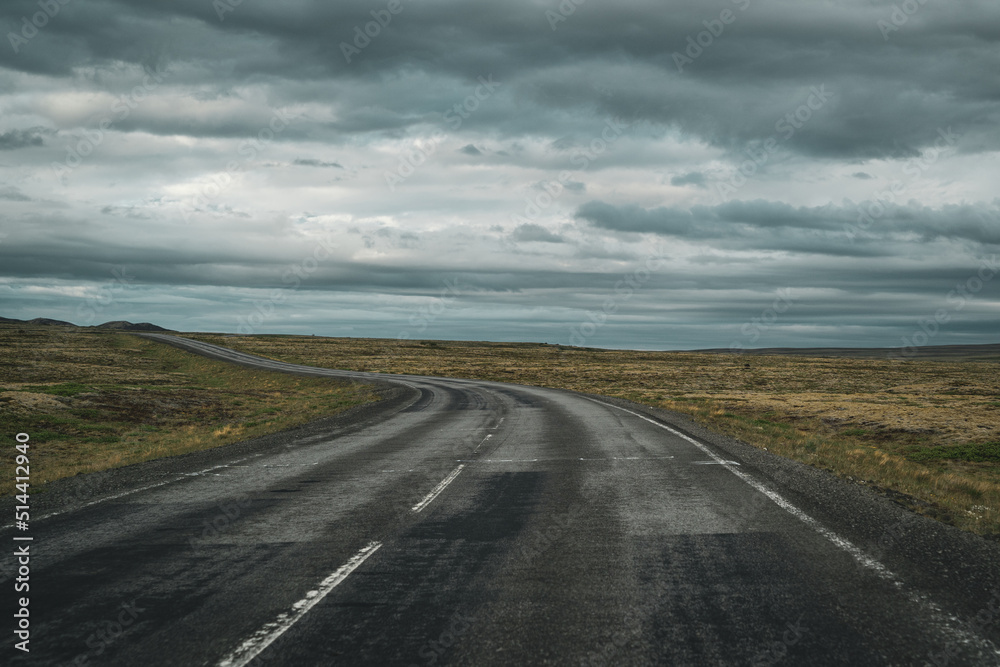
[
  {"x": 947, "y": 622},
  {"x": 481, "y": 443},
  {"x": 498, "y": 424},
  {"x": 438, "y": 489},
  {"x": 287, "y": 465},
  {"x": 714, "y": 463},
  {"x": 180, "y": 476},
  {"x": 255, "y": 644},
  {"x": 844, "y": 544}
]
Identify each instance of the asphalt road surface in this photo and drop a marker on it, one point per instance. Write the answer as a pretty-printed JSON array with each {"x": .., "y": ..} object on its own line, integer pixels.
[{"x": 477, "y": 523}]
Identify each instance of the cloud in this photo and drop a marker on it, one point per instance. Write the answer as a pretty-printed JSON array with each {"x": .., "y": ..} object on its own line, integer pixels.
[
  {"x": 190, "y": 184},
  {"x": 829, "y": 229},
  {"x": 10, "y": 193},
  {"x": 695, "y": 178},
  {"x": 311, "y": 162},
  {"x": 14, "y": 139},
  {"x": 532, "y": 233}
]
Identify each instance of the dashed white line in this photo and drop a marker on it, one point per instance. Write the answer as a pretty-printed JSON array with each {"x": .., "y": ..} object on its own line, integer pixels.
[
  {"x": 265, "y": 636},
  {"x": 488, "y": 436},
  {"x": 429, "y": 498}
]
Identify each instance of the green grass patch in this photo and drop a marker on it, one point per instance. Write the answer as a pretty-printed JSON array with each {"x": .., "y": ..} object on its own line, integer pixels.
[
  {"x": 974, "y": 453},
  {"x": 64, "y": 389}
]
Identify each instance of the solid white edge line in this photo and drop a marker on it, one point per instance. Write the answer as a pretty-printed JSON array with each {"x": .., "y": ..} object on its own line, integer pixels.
[
  {"x": 947, "y": 620},
  {"x": 265, "y": 636},
  {"x": 438, "y": 489},
  {"x": 780, "y": 501},
  {"x": 180, "y": 476}
]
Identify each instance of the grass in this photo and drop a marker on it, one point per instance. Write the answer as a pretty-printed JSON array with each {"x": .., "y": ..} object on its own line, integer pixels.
[
  {"x": 926, "y": 430},
  {"x": 92, "y": 401},
  {"x": 986, "y": 452}
]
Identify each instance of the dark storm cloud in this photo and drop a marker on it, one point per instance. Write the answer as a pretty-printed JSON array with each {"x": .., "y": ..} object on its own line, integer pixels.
[
  {"x": 15, "y": 139},
  {"x": 888, "y": 95},
  {"x": 10, "y": 193},
  {"x": 844, "y": 101},
  {"x": 532, "y": 233},
  {"x": 826, "y": 229},
  {"x": 312, "y": 162}
]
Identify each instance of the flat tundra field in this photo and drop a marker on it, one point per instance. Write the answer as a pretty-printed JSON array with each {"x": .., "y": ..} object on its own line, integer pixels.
[{"x": 924, "y": 432}]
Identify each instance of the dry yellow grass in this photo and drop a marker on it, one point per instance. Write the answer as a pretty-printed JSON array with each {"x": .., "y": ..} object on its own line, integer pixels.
[{"x": 96, "y": 400}]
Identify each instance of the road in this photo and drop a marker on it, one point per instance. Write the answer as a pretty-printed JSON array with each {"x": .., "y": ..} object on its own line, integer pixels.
[{"x": 479, "y": 523}]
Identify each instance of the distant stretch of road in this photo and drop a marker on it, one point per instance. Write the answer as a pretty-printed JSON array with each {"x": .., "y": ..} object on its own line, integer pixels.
[{"x": 466, "y": 522}]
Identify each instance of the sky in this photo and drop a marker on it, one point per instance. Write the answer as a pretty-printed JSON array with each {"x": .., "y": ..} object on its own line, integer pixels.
[{"x": 644, "y": 175}]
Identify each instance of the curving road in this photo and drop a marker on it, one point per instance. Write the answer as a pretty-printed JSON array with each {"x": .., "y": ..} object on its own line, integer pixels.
[{"x": 477, "y": 523}]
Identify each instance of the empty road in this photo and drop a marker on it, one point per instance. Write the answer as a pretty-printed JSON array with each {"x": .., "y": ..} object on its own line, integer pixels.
[{"x": 463, "y": 522}]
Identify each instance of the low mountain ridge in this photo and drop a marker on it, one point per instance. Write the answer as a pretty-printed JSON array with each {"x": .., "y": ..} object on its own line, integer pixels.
[{"x": 116, "y": 325}]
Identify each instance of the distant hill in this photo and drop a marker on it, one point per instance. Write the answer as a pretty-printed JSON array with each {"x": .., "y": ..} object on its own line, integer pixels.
[
  {"x": 47, "y": 322},
  {"x": 122, "y": 325},
  {"x": 117, "y": 325}
]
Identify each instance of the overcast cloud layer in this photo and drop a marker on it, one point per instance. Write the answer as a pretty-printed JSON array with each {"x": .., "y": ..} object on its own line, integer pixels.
[{"x": 663, "y": 175}]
